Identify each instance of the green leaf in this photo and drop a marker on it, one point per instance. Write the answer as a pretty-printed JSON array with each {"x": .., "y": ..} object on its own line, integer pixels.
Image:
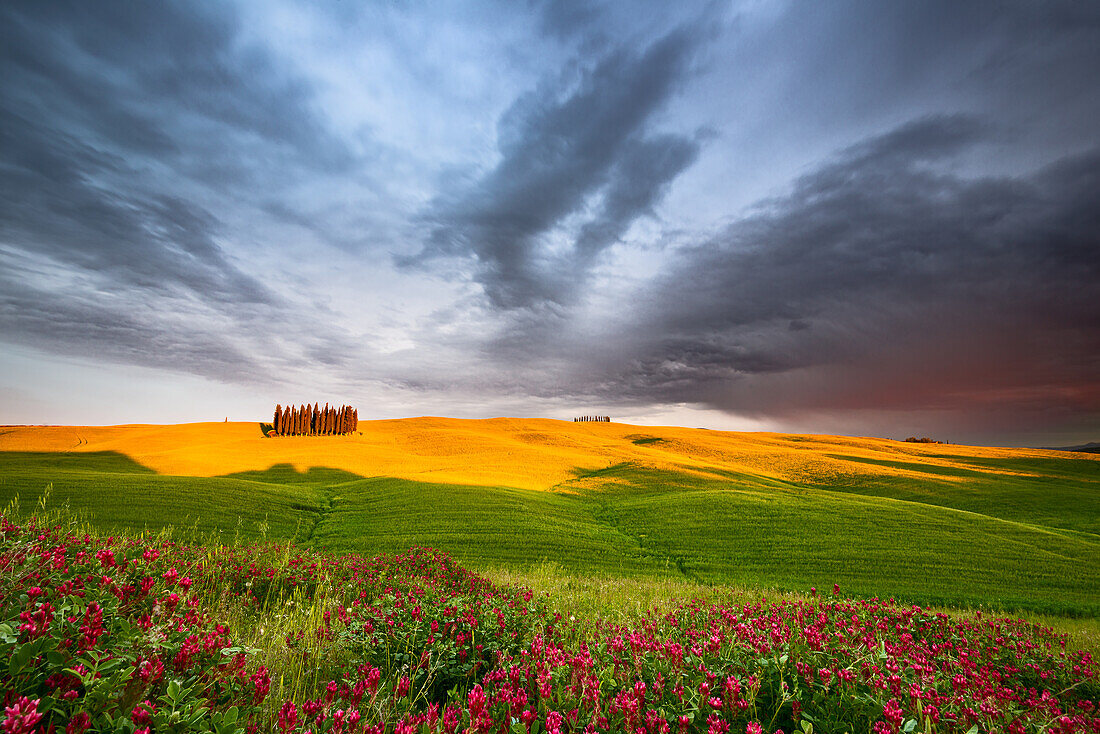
[
  {"x": 972, "y": 730},
  {"x": 909, "y": 726},
  {"x": 24, "y": 654}
]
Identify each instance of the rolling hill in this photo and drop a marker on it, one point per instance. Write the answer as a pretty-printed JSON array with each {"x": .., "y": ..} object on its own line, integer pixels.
[{"x": 1008, "y": 528}]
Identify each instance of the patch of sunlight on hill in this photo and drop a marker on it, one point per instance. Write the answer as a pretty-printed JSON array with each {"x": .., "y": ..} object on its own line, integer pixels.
[{"x": 526, "y": 453}]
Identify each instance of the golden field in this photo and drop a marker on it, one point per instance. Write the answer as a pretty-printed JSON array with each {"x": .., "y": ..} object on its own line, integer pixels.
[{"x": 530, "y": 453}]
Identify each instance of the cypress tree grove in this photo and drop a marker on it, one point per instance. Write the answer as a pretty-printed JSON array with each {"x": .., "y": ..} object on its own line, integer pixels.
[{"x": 313, "y": 420}]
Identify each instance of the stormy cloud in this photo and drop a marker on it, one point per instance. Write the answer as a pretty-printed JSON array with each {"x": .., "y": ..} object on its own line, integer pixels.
[
  {"x": 888, "y": 281},
  {"x": 851, "y": 217},
  {"x": 121, "y": 127},
  {"x": 559, "y": 152}
]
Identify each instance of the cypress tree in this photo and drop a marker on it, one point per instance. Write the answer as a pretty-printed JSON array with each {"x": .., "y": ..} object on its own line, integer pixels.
[
  {"x": 275, "y": 420},
  {"x": 354, "y": 419}
]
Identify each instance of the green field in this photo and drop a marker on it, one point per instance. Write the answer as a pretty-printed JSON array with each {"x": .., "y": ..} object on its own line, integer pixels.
[{"x": 1005, "y": 534}]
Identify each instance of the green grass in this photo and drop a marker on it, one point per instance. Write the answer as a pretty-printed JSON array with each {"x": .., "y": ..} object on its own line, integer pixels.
[
  {"x": 791, "y": 538},
  {"x": 479, "y": 526},
  {"x": 118, "y": 494},
  {"x": 965, "y": 537},
  {"x": 1062, "y": 493}
]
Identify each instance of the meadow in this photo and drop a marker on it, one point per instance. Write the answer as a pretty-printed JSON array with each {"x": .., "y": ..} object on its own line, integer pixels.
[
  {"x": 955, "y": 526},
  {"x": 133, "y": 635}
]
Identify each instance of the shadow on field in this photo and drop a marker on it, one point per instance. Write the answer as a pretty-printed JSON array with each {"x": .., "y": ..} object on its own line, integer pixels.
[
  {"x": 109, "y": 462},
  {"x": 287, "y": 474}
]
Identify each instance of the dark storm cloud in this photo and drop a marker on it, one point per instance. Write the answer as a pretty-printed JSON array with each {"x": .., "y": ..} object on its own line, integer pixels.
[
  {"x": 557, "y": 154},
  {"x": 162, "y": 79},
  {"x": 117, "y": 120},
  {"x": 885, "y": 280},
  {"x": 638, "y": 182},
  {"x": 52, "y": 203}
]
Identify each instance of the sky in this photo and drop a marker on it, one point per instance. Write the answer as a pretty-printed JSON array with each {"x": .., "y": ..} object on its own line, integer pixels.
[{"x": 865, "y": 218}]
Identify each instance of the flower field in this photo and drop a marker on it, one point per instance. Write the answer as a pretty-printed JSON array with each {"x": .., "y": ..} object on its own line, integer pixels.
[{"x": 130, "y": 634}]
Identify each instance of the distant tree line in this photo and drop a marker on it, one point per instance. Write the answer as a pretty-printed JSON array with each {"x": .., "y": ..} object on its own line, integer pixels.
[
  {"x": 593, "y": 418},
  {"x": 303, "y": 420},
  {"x": 914, "y": 439}
]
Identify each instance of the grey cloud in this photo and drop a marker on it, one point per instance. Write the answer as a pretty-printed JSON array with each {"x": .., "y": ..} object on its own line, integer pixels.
[
  {"x": 82, "y": 322},
  {"x": 638, "y": 182},
  {"x": 165, "y": 79},
  {"x": 564, "y": 19},
  {"x": 912, "y": 287},
  {"x": 51, "y": 204},
  {"x": 886, "y": 283},
  {"x": 558, "y": 153},
  {"x": 127, "y": 133}
]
